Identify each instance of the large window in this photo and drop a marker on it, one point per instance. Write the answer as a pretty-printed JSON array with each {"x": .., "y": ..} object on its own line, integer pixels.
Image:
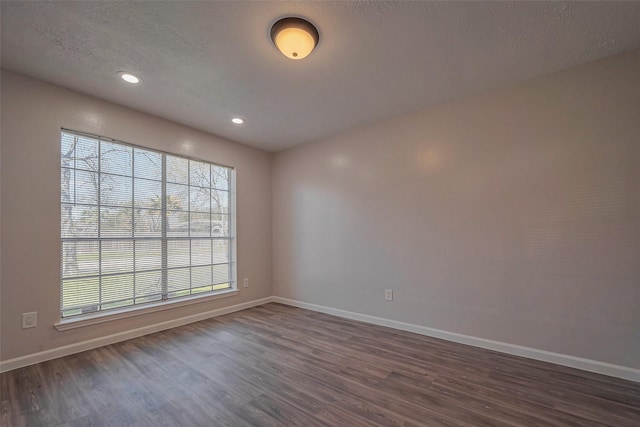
[{"x": 140, "y": 226}]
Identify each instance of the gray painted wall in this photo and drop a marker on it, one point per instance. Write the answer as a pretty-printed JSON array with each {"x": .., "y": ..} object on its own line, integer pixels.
[{"x": 512, "y": 215}]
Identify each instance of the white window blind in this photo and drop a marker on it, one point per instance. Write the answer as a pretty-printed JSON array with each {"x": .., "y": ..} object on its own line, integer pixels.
[{"x": 139, "y": 225}]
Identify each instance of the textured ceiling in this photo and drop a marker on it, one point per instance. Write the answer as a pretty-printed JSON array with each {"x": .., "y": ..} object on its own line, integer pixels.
[{"x": 204, "y": 62}]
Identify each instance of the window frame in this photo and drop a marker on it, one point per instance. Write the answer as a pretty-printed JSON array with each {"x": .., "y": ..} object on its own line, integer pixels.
[{"x": 166, "y": 301}]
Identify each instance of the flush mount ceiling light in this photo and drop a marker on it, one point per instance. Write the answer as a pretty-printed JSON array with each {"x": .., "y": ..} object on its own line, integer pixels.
[
  {"x": 294, "y": 37},
  {"x": 237, "y": 120},
  {"x": 129, "y": 78}
]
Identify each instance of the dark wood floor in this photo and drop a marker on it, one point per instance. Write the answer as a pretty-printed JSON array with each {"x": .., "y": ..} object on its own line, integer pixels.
[{"x": 278, "y": 365}]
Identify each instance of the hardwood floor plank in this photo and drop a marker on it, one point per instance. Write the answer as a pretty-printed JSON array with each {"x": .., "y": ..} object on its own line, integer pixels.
[
  {"x": 452, "y": 402},
  {"x": 276, "y": 365},
  {"x": 342, "y": 374}
]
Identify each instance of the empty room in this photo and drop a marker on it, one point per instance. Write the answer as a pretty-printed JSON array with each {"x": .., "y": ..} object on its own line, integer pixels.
[{"x": 322, "y": 213}]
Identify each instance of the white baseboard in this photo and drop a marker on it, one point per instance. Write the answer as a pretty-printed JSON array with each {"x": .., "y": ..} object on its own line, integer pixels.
[
  {"x": 531, "y": 353},
  {"x": 517, "y": 350},
  {"x": 54, "y": 353}
]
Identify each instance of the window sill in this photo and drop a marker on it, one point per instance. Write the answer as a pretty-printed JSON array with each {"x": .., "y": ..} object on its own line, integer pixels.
[{"x": 123, "y": 313}]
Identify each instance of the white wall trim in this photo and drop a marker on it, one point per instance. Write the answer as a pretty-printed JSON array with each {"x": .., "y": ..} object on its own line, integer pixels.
[
  {"x": 531, "y": 353},
  {"x": 517, "y": 350},
  {"x": 54, "y": 353}
]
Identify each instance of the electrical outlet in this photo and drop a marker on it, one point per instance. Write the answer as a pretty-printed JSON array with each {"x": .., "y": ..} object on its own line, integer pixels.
[
  {"x": 388, "y": 294},
  {"x": 29, "y": 320},
  {"x": 245, "y": 283}
]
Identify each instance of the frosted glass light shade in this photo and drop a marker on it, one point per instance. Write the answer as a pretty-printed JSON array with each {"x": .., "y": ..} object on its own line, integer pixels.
[{"x": 294, "y": 37}]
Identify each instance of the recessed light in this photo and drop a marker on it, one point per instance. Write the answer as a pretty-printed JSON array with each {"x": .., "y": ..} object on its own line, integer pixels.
[
  {"x": 130, "y": 78},
  {"x": 237, "y": 120}
]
